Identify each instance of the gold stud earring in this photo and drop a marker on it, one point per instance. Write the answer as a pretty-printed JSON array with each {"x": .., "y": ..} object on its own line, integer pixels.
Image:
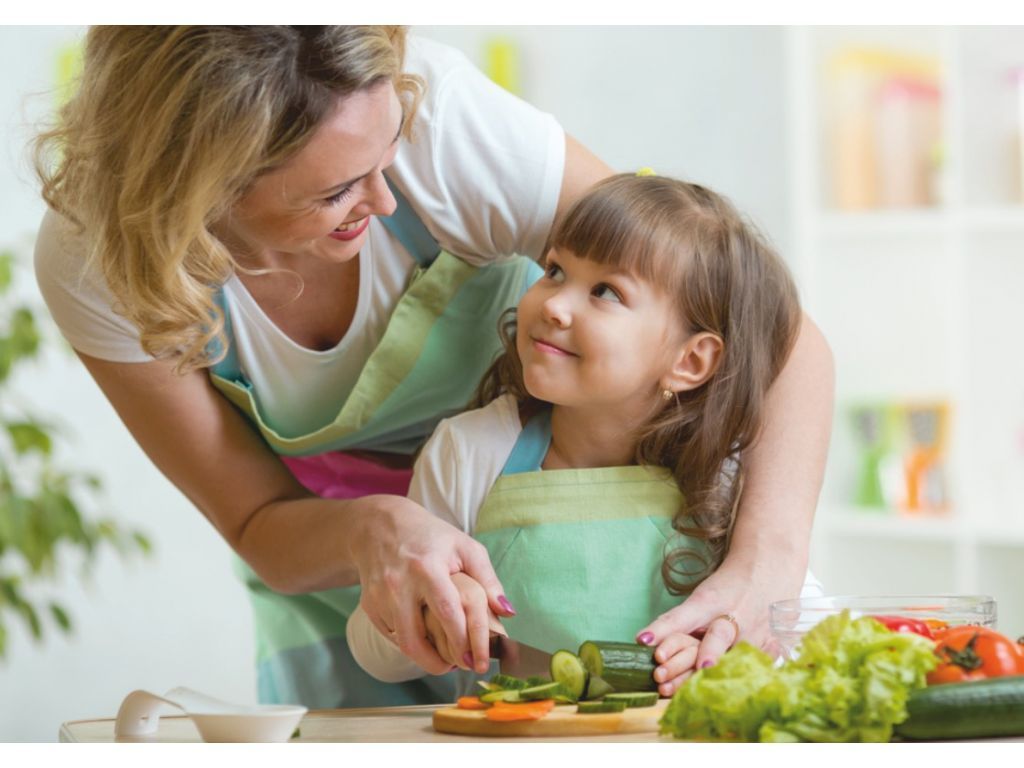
[{"x": 667, "y": 394}]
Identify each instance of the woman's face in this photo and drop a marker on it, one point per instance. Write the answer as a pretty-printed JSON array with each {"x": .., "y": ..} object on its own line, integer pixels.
[{"x": 318, "y": 203}]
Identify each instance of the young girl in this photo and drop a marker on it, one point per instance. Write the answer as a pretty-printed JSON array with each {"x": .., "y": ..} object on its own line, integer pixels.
[{"x": 604, "y": 469}]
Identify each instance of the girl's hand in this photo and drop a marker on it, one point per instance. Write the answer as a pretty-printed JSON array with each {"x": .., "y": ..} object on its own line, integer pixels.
[
  {"x": 479, "y": 620},
  {"x": 406, "y": 557},
  {"x": 676, "y": 656},
  {"x": 704, "y": 614}
]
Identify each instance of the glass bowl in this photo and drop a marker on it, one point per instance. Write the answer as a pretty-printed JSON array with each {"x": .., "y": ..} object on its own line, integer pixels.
[{"x": 790, "y": 619}]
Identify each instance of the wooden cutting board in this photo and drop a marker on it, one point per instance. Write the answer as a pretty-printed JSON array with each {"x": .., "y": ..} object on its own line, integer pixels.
[{"x": 561, "y": 721}]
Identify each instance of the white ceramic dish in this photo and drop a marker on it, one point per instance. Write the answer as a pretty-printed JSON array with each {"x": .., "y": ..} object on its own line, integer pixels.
[{"x": 139, "y": 717}]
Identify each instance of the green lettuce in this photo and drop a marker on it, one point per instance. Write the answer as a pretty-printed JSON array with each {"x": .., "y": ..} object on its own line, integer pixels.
[{"x": 850, "y": 682}]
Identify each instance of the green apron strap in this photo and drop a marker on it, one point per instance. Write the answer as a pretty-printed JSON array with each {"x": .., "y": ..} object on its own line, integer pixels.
[{"x": 411, "y": 232}]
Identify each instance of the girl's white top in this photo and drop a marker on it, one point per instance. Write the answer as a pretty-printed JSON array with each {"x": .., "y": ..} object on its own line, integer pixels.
[{"x": 483, "y": 172}]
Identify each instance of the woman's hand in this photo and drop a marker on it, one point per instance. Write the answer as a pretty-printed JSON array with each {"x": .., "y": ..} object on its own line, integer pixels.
[
  {"x": 474, "y": 601},
  {"x": 406, "y": 558}
]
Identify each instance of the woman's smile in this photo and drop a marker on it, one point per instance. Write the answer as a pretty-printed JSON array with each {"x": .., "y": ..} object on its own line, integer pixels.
[{"x": 351, "y": 230}]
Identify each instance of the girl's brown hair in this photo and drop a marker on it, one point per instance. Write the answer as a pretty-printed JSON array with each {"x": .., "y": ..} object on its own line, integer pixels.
[
  {"x": 169, "y": 127},
  {"x": 727, "y": 281}
]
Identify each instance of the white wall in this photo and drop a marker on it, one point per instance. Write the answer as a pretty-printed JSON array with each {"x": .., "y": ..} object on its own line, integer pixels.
[{"x": 704, "y": 103}]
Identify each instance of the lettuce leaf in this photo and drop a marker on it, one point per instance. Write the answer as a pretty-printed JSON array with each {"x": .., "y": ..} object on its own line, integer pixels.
[{"x": 849, "y": 682}]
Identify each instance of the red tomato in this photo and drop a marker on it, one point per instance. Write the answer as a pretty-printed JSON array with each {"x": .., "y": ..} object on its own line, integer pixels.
[
  {"x": 903, "y": 624},
  {"x": 975, "y": 653}
]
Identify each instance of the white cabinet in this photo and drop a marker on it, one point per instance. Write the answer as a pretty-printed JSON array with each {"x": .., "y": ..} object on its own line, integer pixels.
[{"x": 919, "y": 303}]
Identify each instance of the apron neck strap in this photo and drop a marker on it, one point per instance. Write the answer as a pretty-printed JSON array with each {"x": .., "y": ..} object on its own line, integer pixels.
[
  {"x": 411, "y": 232},
  {"x": 531, "y": 446}
]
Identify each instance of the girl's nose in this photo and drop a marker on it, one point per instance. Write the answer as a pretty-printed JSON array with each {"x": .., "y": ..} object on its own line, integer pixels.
[{"x": 557, "y": 310}]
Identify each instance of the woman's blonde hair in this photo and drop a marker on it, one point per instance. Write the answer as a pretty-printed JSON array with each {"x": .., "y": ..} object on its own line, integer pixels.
[
  {"x": 726, "y": 281},
  {"x": 169, "y": 127}
]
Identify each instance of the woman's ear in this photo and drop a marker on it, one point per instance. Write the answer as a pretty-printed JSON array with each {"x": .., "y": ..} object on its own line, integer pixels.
[{"x": 695, "y": 363}]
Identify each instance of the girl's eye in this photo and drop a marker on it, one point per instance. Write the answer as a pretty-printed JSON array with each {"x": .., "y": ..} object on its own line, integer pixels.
[
  {"x": 605, "y": 291},
  {"x": 554, "y": 272},
  {"x": 337, "y": 197}
]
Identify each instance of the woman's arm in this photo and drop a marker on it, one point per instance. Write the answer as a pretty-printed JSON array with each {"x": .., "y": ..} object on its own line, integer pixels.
[
  {"x": 294, "y": 541},
  {"x": 583, "y": 169},
  {"x": 767, "y": 559}
]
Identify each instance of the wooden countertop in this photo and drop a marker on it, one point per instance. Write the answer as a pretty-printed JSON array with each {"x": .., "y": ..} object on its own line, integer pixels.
[{"x": 376, "y": 724}]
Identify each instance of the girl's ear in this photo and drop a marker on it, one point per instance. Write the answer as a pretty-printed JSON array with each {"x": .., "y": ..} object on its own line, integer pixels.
[{"x": 695, "y": 363}]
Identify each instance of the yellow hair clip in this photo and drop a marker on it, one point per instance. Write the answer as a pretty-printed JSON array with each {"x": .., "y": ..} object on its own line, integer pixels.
[{"x": 645, "y": 171}]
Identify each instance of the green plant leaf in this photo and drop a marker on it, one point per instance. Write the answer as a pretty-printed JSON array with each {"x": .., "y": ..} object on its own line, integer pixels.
[
  {"x": 61, "y": 617},
  {"x": 29, "y": 436},
  {"x": 24, "y": 335},
  {"x": 6, "y": 270},
  {"x": 3, "y": 636},
  {"x": 31, "y": 617},
  {"x": 142, "y": 542}
]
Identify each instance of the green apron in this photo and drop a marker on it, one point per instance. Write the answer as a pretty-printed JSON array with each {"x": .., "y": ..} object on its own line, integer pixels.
[
  {"x": 441, "y": 338},
  {"x": 579, "y": 551}
]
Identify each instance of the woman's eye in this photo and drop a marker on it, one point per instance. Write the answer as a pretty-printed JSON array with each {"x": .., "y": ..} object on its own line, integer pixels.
[
  {"x": 554, "y": 272},
  {"x": 337, "y": 197},
  {"x": 605, "y": 291}
]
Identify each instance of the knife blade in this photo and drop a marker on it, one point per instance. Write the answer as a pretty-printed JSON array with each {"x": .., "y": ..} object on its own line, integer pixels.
[{"x": 519, "y": 659}]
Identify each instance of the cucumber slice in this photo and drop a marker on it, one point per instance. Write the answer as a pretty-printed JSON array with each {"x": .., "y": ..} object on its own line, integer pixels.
[
  {"x": 509, "y": 683},
  {"x": 596, "y": 688},
  {"x": 488, "y": 686},
  {"x": 533, "y": 680},
  {"x": 600, "y": 707},
  {"x": 624, "y": 666},
  {"x": 567, "y": 669},
  {"x": 634, "y": 699},
  {"x": 502, "y": 695},
  {"x": 546, "y": 691}
]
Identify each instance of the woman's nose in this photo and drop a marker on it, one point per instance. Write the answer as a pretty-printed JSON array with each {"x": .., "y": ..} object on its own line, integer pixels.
[{"x": 378, "y": 199}]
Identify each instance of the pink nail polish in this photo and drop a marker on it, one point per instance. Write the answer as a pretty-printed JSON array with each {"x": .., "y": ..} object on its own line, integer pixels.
[
  {"x": 506, "y": 605},
  {"x": 706, "y": 663},
  {"x": 467, "y": 659},
  {"x": 646, "y": 638}
]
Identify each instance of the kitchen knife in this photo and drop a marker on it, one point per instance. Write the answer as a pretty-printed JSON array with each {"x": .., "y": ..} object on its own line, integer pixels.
[{"x": 519, "y": 659}]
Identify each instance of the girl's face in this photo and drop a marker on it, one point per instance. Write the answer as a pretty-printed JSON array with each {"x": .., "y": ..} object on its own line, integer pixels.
[
  {"x": 589, "y": 335},
  {"x": 318, "y": 203}
]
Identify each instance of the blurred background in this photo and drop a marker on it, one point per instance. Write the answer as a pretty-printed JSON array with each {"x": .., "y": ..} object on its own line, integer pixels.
[{"x": 885, "y": 164}]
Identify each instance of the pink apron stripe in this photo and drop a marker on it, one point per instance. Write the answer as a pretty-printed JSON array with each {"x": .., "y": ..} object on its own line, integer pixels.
[{"x": 339, "y": 475}]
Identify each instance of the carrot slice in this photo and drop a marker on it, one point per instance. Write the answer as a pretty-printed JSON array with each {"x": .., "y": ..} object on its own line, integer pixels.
[
  {"x": 505, "y": 712},
  {"x": 471, "y": 702}
]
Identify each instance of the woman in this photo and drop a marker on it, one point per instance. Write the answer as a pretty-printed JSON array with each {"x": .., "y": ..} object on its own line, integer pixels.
[{"x": 280, "y": 324}]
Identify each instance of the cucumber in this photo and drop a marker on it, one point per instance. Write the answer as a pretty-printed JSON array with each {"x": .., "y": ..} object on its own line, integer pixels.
[
  {"x": 509, "y": 683},
  {"x": 596, "y": 688},
  {"x": 502, "y": 695},
  {"x": 600, "y": 707},
  {"x": 489, "y": 686},
  {"x": 567, "y": 669},
  {"x": 624, "y": 666},
  {"x": 976, "y": 709},
  {"x": 533, "y": 680},
  {"x": 545, "y": 691},
  {"x": 635, "y": 699}
]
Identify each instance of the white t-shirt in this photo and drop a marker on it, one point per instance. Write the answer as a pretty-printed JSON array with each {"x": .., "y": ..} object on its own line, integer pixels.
[
  {"x": 455, "y": 471},
  {"x": 483, "y": 172}
]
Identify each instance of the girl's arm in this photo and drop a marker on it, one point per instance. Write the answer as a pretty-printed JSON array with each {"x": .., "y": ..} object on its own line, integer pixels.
[
  {"x": 767, "y": 560},
  {"x": 294, "y": 541}
]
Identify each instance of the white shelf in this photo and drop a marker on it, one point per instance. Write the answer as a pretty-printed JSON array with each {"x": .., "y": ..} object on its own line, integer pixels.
[
  {"x": 885, "y": 222},
  {"x": 917, "y": 301},
  {"x": 892, "y": 525}
]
